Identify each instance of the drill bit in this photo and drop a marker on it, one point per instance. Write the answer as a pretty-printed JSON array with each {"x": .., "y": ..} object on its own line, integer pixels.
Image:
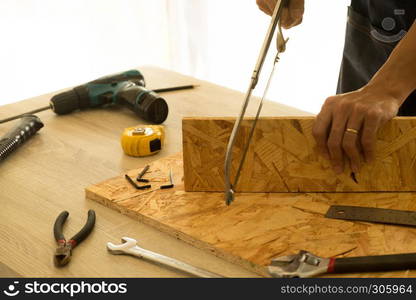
[
  {"x": 25, "y": 114},
  {"x": 162, "y": 90}
]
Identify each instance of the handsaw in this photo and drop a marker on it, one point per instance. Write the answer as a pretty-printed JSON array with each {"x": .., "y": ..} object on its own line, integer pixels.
[{"x": 281, "y": 47}]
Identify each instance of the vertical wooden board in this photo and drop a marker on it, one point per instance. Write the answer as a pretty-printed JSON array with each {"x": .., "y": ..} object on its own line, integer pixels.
[{"x": 282, "y": 157}]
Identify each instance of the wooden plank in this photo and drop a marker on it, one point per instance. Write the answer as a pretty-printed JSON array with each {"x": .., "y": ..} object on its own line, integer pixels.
[
  {"x": 282, "y": 157},
  {"x": 258, "y": 227},
  {"x": 49, "y": 173}
]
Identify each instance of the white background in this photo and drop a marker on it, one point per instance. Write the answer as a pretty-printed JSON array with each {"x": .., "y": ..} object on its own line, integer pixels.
[{"x": 46, "y": 45}]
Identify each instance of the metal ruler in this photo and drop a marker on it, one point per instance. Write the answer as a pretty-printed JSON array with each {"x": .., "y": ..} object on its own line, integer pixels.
[{"x": 373, "y": 215}]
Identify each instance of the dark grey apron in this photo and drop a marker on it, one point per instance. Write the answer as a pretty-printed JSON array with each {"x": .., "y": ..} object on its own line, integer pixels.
[{"x": 374, "y": 28}]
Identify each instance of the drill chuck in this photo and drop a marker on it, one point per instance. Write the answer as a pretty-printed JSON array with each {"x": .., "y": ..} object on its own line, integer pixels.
[
  {"x": 65, "y": 103},
  {"x": 145, "y": 103},
  {"x": 28, "y": 126},
  {"x": 124, "y": 88}
]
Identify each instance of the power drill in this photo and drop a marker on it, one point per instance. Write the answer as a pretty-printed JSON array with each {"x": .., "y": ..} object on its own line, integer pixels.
[
  {"x": 123, "y": 88},
  {"x": 126, "y": 88}
]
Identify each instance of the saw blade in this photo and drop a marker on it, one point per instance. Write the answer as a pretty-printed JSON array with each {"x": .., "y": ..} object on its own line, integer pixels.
[{"x": 254, "y": 124}]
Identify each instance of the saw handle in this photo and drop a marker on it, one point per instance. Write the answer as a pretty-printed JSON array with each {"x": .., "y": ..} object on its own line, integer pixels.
[{"x": 379, "y": 263}]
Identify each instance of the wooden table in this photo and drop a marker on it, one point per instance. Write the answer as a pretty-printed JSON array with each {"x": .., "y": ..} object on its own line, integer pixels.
[{"x": 49, "y": 173}]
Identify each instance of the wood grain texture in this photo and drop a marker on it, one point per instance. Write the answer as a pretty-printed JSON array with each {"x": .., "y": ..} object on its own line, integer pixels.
[
  {"x": 49, "y": 173},
  {"x": 282, "y": 157},
  {"x": 5, "y": 272},
  {"x": 258, "y": 227}
]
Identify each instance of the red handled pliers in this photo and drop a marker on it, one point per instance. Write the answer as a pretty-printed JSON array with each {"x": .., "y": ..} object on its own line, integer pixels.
[{"x": 64, "y": 251}]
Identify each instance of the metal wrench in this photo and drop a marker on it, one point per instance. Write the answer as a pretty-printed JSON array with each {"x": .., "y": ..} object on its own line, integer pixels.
[
  {"x": 129, "y": 247},
  {"x": 305, "y": 264}
]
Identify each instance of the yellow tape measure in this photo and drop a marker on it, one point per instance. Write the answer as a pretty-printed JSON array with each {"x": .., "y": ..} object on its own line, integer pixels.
[{"x": 143, "y": 140}]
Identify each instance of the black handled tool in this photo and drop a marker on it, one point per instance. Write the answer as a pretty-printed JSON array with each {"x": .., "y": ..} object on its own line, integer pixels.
[
  {"x": 64, "y": 251},
  {"x": 27, "y": 127},
  {"x": 376, "y": 263},
  {"x": 305, "y": 264}
]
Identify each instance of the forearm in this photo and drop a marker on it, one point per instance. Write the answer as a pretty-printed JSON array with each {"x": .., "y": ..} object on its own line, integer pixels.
[{"x": 397, "y": 77}]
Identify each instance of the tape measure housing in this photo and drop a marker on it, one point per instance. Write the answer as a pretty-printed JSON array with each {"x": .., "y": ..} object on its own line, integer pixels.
[{"x": 143, "y": 140}]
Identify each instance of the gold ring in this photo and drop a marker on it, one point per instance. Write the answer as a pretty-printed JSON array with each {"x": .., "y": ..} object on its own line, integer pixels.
[{"x": 350, "y": 130}]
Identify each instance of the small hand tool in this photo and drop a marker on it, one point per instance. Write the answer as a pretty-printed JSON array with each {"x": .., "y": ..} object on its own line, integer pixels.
[
  {"x": 372, "y": 214},
  {"x": 141, "y": 174},
  {"x": 143, "y": 140},
  {"x": 129, "y": 247},
  {"x": 281, "y": 47},
  {"x": 306, "y": 264},
  {"x": 64, "y": 251},
  {"x": 131, "y": 181},
  {"x": 28, "y": 127},
  {"x": 171, "y": 184},
  {"x": 126, "y": 88}
]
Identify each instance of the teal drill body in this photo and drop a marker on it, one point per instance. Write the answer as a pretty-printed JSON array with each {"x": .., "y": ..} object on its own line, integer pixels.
[{"x": 126, "y": 88}]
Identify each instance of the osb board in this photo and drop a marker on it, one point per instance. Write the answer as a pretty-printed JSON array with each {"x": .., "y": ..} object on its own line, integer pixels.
[
  {"x": 282, "y": 158},
  {"x": 258, "y": 227}
]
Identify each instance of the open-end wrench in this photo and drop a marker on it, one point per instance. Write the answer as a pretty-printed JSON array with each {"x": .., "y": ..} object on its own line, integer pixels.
[
  {"x": 306, "y": 264},
  {"x": 129, "y": 247}
]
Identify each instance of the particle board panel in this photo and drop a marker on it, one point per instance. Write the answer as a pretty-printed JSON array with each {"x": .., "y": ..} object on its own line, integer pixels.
[
  {"x": 282, "y": 158},
  {"x": 259, "y": 226}
]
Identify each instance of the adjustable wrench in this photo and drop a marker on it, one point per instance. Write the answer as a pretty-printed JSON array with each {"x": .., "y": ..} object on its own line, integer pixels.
[
  {"x": 306, "y": 264},
  {"x": 129, "y": 247}
]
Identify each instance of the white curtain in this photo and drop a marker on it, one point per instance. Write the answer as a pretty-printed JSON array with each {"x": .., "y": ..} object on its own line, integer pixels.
[
  {"x": 219, "y": 40},
  {"x": 188, "y": 31},
  {"x": 52, "y": 44},
  {"x": 57, "y": 43},
  {"x": 214, "y": 39}
]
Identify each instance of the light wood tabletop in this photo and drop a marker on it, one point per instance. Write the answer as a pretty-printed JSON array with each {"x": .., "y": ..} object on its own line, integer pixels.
[{"x": 49, "y": 173}]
